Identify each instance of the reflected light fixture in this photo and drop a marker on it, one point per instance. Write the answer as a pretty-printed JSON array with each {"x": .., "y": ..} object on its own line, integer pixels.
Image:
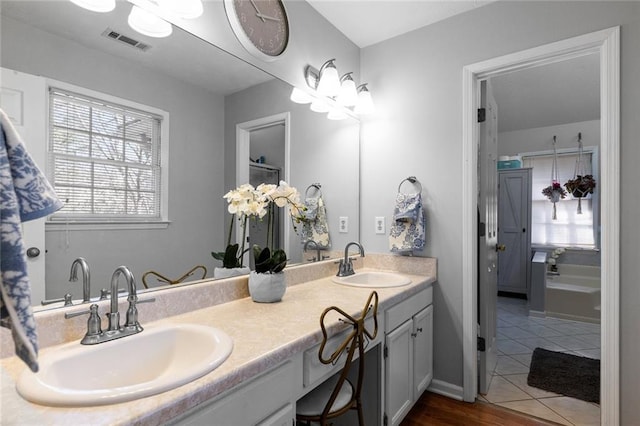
[
  {"x": 365, "y": 102},
  {"x": 329, "y": 81},
  {"x": 348, "y": 95},
  {"x": 300, "y": 96},
  {"x": 148, "y": 23},
  {"x": 101, "y": 6}
]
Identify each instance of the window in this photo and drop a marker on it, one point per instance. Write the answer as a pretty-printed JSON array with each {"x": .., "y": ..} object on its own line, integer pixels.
[
  {"x": 570, "y": 229},
  {"x": 104, "y": 159}
]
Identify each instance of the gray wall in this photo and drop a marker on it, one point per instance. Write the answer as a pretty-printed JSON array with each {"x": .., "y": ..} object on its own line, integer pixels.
[
  {"x": 321, "y": 150},
  {"x": 416, "y": 80},
  {"x": 196, "y": 158}
]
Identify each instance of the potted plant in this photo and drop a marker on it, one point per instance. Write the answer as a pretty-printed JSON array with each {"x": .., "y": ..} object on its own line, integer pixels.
[
  {"x": 267, "y": 283},
  {"x": 554, "y": 193},
  {"x": 244, "y": 202},
  {"x": 581, "y": 186}
]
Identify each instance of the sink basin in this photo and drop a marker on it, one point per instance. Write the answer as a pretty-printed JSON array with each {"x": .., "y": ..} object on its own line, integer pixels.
[
  {"x": 373, "y": 279},
  {"x": 153, "y": 361}
]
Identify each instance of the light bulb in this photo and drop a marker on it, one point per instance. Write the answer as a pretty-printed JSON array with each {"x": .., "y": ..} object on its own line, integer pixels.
[
  {"x": 348, "y": 95},
  {"x": 300, "y": 96},
  {"x": 101, "y": 6},
  {"x": 148, "y": 23},
  {"x": 329, "y": 84},
  {"x": 365, "y": 102}
]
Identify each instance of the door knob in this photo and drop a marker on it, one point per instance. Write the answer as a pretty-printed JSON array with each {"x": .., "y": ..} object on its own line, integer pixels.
[
  {"x": 33, "y": 252},
  {"x": 500, "y": 247}
]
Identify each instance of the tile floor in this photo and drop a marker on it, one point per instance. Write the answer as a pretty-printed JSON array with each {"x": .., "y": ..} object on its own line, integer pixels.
[{"x": 518, "y": 335}]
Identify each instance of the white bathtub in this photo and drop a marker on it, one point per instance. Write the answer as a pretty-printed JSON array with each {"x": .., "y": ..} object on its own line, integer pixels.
[{"x": 574, "y": 293}]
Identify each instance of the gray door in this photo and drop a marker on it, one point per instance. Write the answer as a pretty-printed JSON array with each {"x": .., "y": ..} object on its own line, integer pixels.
[
  {"x": 487, "y": 238},
  {"x": 514, "y": 229}
]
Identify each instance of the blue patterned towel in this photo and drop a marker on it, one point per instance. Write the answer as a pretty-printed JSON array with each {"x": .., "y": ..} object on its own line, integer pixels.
[
  {"x": 317, "y": 228},
  {"x": 25, "y": 194},
  {"x": 407, "y": 230}
]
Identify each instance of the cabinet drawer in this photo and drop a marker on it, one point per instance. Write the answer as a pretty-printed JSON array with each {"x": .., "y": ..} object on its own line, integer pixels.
[
  {"x": 250, "y": 403},
  {"x": 404, "y": 310},
  {"x": 314, "y": 372}
]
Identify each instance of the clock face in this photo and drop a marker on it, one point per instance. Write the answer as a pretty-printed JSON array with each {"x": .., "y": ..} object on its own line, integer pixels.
[{"x": 260, "y": 25}]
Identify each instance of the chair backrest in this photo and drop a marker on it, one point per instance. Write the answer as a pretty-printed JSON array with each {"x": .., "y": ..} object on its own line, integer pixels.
[{"x": 355, "y": 339}]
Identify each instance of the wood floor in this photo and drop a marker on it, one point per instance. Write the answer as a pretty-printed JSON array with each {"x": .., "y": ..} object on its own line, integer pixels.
[{"x": 433, "y": 409}]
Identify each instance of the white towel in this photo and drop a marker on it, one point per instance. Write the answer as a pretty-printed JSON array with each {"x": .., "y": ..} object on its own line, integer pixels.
[
  {"x": 315, "y": 226},
  {"x": 407, "y": 230},
  {"x": 25, "y": 195}
]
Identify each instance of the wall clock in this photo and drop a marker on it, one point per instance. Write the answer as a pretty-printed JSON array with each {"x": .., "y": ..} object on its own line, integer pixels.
[{"x": 261, "y": 26}]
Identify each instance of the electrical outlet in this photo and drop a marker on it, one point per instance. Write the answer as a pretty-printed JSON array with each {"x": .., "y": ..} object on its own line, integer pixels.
[
  {"x": 343, "y": 228},
  {"x": 380, "y": 226}
]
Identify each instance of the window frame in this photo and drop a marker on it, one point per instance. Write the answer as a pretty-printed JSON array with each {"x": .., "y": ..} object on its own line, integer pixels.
[
  {"x": 595, "y": 170},
  {"x": 55, "y": 222}
]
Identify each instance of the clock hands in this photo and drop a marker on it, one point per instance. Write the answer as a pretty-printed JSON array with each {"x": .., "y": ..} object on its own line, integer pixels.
[
  {"x": 263, "y": 17},
  {"x": 258, "y": 14}
]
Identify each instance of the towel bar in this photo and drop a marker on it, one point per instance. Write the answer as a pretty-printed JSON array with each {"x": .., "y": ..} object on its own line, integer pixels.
[{"x": 413, "y": 180}]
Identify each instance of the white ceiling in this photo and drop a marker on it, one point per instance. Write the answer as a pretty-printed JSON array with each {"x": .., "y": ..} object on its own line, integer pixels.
[{"x": 366, "y": 22}]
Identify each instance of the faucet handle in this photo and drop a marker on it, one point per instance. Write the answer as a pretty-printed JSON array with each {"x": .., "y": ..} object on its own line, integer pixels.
[
  {"x": 66, "y": 299},
  {"x": 132, "y": 313},
  {"x": 94, "y": 323}
]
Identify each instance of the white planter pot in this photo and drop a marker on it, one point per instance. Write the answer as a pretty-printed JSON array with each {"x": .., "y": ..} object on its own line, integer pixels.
[
  {"x": 266, "y": 287},
  {"x": 219, "y": 273}
]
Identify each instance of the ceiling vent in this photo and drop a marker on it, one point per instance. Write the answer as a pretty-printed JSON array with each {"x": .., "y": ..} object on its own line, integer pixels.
[{"x": 109, "y": 33}]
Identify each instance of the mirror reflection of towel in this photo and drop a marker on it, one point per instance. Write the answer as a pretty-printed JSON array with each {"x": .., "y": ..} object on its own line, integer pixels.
[
  {"x": 316, "y": 229},
  {"x": 26, "y": 195},
  {"x": 407, "y": 230}
]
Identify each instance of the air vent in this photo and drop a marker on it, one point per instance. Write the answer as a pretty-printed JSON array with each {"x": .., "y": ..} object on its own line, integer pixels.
[{"x": 109, "y": 33}]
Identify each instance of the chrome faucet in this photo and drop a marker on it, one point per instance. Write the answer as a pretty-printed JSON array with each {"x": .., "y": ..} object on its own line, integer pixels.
[
  {"x": 131, "y": 326},
  {"x": 317, "y": 247},
  {"x": 86, "y": 277},
  {"x": 346, "y": 266}
]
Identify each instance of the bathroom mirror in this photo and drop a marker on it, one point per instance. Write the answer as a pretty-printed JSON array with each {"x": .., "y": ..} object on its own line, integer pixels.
[{"x": 202, "y": 88}]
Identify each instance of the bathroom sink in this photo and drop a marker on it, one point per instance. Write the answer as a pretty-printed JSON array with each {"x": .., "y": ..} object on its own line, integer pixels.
[
  {"x": 373, "y": 279},
  {"x": 153, "y": 361}
]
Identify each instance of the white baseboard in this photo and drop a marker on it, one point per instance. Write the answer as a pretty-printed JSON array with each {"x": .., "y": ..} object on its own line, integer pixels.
[{"x": 446, "y": 389}]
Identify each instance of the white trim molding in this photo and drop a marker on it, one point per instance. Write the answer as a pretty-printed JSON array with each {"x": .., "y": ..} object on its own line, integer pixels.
[{"x": 607, "y": 44}]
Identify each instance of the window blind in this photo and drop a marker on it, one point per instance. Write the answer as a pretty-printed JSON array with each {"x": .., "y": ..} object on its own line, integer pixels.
[
  {"x": 569, "y": 229},
  {"x": 104, "y": 159}
]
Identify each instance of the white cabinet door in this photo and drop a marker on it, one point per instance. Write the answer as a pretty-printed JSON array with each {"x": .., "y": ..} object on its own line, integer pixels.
[
  {"x": 422, "y": 350},
  {"x": 399, "y": 373}
]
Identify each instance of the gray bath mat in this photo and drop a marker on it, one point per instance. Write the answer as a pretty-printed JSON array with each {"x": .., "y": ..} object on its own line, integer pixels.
[{"x": 566, "y": 374}]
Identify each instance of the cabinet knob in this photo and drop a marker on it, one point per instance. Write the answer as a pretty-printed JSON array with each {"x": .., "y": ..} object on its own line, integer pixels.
[{"x": 33, "y": 252}]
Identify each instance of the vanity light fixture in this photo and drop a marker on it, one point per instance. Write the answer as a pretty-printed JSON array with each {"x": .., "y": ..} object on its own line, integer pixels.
[
  {"x": 345, "y": 98},
  {"x": 328, "y": 79},
  {"x": 101, "y": 6},
  {"x": 148, "y": 23},
  {"x": 365, "y": 102},
  {"x": 348, "y": 95},
  {"x": 299, "y": 96}
]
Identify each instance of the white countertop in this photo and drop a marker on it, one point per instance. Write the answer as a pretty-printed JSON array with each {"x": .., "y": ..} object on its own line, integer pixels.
[{"x": 263, "y": 335}]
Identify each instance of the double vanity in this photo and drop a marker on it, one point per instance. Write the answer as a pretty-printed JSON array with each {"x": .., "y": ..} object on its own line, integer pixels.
[{"x": 209, "y": 354}]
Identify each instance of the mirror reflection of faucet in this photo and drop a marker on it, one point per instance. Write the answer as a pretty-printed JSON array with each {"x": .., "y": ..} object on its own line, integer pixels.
[
  {"x": 86, "y": 277},
  {"x": 317, "y": 257},
  {"x": 346, "y": 265}
]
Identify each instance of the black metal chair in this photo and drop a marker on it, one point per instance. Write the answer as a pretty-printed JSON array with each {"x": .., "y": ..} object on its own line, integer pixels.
[{"x": 338, "y": 395}]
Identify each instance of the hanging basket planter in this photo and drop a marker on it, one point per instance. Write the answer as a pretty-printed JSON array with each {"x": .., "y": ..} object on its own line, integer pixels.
[
  {"x": 554, "y": 193},
  {"x": 581, "y": 186}
]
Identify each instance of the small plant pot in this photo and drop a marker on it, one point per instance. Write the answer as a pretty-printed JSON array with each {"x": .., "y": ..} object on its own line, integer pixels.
[
  {"x": 219, "y": 273},
  {"x": 267, "y": 287}
]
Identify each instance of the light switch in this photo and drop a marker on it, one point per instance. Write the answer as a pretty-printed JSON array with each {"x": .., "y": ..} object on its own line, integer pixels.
[
  {"x": 380, "y": 226},
  {"x": 343, "y": 228}
]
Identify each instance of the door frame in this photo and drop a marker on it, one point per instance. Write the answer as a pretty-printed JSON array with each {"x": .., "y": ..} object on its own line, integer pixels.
[
  {"x": 607, "y": 44},
  {"x": 243, "y": 145}
]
